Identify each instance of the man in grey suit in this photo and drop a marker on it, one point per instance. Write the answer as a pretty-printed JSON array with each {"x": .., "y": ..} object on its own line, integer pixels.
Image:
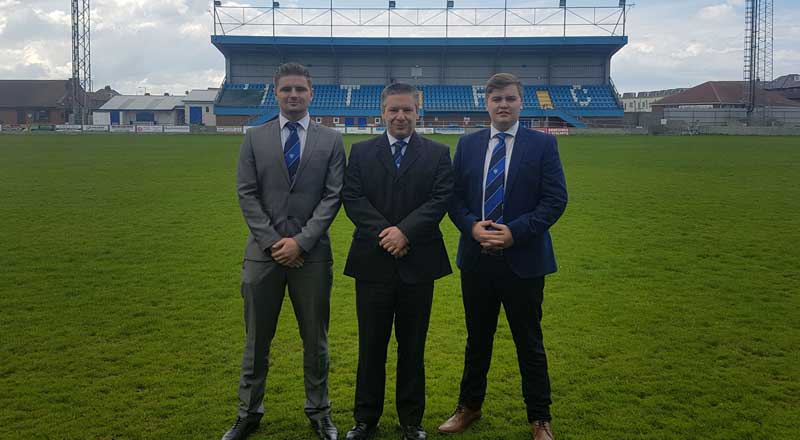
[{"x": 289, "y": 183}]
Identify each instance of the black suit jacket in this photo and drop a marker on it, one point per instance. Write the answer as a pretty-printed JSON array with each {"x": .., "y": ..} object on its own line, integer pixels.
[{"x": 414, "y": 198}]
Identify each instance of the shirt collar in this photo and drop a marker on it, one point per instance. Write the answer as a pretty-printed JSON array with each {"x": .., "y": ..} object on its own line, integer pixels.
[
  {"x": 511, "y": 131},
  {"x": 393, "y": 139},
  {"x": 304, "y": 121}
]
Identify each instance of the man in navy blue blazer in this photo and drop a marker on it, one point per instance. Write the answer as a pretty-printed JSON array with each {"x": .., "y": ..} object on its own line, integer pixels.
[{"x": 509, "y": 190}]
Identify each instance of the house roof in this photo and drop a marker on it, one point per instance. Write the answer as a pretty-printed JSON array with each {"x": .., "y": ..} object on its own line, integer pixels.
[
  {"x": 143, "y": 102},
  {"x": 723, "y": 93},
  {"x": 104, "y": 94},
  {"x": 34, "y": 93},
  {"x": 786, "y": 82}
]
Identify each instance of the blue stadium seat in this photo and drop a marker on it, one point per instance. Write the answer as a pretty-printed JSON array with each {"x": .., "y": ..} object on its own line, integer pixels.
[
  {"x": 242, "y": 95},
  {"x": 577, "y": 100}
]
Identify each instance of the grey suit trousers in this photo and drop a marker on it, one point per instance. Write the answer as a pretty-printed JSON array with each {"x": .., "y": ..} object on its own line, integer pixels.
[{"x": 263, "y": 287}]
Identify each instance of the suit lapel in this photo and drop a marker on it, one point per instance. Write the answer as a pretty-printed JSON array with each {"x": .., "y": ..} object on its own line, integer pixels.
[
  {"x": 308, "y": 150},
  {"x": 275, "y": 147},
  {"x": 384, "y": 154},
  {"x": 480, "y": 158},
  {"x": 517, "y": 155},
  {"x": 413, "y": 151}
]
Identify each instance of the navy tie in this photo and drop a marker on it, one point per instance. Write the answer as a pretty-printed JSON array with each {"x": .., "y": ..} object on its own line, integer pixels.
[
  {"x": 398, "y": 152},
  {"x": 291, "y": 150},
  {"x": 494, "y": 190}
]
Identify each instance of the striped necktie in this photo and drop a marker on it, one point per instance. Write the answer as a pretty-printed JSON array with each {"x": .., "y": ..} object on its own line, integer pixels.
[
  {"x": 291, "y": 150},
  {"x": 494, "y": 190},
  {"x": 398, "y": 152}
]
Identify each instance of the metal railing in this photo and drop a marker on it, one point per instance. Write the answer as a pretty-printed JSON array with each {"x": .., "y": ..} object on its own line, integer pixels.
[{"x": 421, "y": 22}]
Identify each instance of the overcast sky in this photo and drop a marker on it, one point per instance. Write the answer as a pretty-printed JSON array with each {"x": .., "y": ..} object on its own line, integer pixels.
[{"x": 165, "y": 45}]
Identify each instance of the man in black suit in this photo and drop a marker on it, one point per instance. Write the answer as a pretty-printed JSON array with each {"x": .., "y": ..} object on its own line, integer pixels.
[{"x": 397, "y": 189}]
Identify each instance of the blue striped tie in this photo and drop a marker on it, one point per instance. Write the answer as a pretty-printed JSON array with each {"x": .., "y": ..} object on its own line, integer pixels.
[
  {"x": 291, "y": 150},
  {"x": 495, "y": 182},
  {"x": 398, "y": 152}
]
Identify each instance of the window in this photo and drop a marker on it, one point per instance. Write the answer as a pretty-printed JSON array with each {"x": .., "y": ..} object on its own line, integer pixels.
[
  {"x": 207, "y": 110},
  {"x": 145, "y": 117},
  {"x": 318, "y": 120},
  {"x": 377, "y": 121},
  {"x": 335, "y": 120}
]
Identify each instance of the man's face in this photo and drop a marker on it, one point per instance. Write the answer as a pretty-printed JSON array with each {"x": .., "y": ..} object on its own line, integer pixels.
[
  {"x": 504, "y": 106},
  {"x": 294, "y": 94},
  {"x": 400, "y": 115}
]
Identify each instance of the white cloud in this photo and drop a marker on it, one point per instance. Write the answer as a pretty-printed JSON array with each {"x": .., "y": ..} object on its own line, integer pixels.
[
  {"x": 5, "y": 6},
  {"x": 716, "y": 12},
  {"x": 692, "y": 50},
  {"x": 34, "y": 57},
  {"x": 643, "y": 47},
  {"x": 195, "y": 30},
  {"x": 144, "y": 25},
  {"x": 56, "y": 17}
]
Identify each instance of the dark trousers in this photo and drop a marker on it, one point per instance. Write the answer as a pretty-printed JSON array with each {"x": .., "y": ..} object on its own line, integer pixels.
[
  {"x": 490, "y": 284},
  {"x": 379, "y": 305}
]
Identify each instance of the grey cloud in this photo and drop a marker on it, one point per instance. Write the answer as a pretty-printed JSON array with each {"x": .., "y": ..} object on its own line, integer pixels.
[
  {"x": 25, "y": 25},
  {"x": 25, "y": 71}
]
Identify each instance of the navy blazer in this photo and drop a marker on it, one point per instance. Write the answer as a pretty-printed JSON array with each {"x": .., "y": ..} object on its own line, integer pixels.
[{"x": 535, "y": 197}]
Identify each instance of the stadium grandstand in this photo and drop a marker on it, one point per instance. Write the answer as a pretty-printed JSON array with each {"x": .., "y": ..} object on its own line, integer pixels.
[{"x": 562, "y": 55}]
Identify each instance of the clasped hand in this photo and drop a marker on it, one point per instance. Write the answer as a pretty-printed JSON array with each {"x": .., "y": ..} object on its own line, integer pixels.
[
  {"x": 287, "y": 252},
  {"x": 394, "y": 241},
  {"x": 497, "y": 237}
]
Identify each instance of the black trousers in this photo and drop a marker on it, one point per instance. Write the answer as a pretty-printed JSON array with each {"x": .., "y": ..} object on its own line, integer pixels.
[
  {"x": 379, "y": 305},
  {"x": 484, "y": 289}
]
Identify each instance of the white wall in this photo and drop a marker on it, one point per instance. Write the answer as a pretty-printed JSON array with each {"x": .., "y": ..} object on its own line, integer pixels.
[
  {"x": 101, "y": 118},
  {"x": 209, "y": 118},
  {"x": 161, "y": 117}
]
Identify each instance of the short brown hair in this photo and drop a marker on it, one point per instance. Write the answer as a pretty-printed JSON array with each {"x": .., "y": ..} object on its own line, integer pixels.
[
  {"x": 288, "y": 69},
  {"x": 400, "y": 88},
  {"x": 501, "y": 81}
]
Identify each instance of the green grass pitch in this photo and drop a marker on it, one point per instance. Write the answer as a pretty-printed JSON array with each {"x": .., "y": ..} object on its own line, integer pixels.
[{"x": 674, "y": 313}]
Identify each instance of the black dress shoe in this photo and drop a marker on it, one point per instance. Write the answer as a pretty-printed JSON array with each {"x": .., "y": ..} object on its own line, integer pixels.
[
  {"x": 325, "y": 428},
  {"x": 241, "y": 429},
  {"x": 362, "y": 431},
  {"x": 414, "y": 432}
]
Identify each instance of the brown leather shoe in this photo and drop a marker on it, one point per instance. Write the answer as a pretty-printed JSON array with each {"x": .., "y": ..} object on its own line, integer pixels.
[
  {"x": 541, "y": 430},
  {"x": 460, "y": 420}
]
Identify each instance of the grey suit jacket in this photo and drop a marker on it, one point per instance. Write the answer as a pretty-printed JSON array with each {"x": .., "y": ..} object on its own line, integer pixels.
[{"x": 274, "y": 207}]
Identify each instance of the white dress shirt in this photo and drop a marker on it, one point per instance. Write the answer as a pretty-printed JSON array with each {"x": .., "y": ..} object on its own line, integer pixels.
[
  {"x": 302, "y": 131},
  {"x": 493, "y": 141},
  {"x": 393, "y": 140}
]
